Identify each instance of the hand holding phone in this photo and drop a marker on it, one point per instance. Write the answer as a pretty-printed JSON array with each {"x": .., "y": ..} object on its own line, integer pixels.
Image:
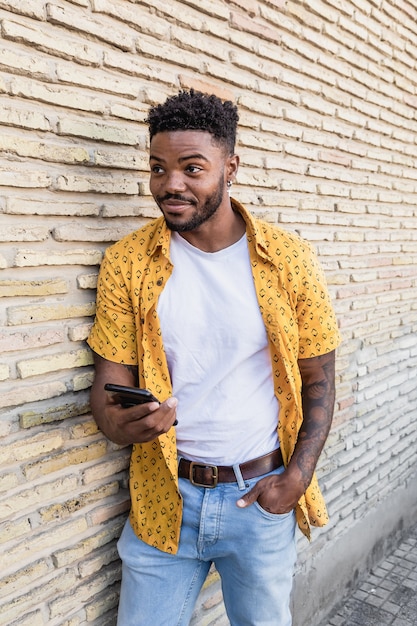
[{"x": 131, "y": 396}]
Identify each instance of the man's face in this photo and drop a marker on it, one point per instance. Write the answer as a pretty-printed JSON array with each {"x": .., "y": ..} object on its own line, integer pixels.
[{"x": 188, "y": 177}]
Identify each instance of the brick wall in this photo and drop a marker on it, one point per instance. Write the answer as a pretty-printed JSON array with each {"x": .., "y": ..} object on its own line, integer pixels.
[{"x": 327, "y": 92}]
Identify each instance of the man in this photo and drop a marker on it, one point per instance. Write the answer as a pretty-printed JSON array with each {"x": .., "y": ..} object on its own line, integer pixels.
[{"x": 227, "y": 321}]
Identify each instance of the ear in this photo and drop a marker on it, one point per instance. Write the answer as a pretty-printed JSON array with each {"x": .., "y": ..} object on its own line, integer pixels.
[{"x": 232, "y": 166}]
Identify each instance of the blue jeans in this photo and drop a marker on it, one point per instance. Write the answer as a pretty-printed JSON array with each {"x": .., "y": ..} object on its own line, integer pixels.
[{"x": 253, "y": 551}]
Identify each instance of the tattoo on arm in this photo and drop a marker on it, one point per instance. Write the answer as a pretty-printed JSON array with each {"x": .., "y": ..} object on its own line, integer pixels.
[{"x": 318, "y": 396}]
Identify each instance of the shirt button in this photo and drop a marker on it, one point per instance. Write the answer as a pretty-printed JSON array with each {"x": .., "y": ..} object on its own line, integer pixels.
[{"x": 159, "y": 281}]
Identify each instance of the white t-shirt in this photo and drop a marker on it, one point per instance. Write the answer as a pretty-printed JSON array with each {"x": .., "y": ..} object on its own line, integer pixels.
[{"x": 218, "y": 355}]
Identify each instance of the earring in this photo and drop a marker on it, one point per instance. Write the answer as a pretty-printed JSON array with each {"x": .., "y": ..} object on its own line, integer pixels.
[{"x": 229, "y": 186}]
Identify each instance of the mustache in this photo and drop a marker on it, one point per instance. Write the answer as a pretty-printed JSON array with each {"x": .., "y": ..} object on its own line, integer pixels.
[{"x": 174, "y": 196}]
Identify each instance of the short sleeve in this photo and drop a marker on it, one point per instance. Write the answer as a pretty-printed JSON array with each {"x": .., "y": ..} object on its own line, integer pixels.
[
  {"x": 317, "y": 324},
  {"x": 113, "y": 335}
]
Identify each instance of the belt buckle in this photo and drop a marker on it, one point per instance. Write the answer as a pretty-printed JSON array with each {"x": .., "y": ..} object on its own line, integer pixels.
[{"x": 214, "y": 475}]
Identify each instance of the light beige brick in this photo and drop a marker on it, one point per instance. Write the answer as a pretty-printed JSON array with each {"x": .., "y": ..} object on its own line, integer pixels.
[
  {"x": 35, "y": 496},
  {"x": 30, "y": 64},
  {"x": 59, "y": 95},
  {"x": 31, "y": 8},
  {"x": 74, "y": 20},
  {"x": 46, "y": 152},
  {"x": 112, "y": 232},
  {"x": 75, "y": 456},
  {"x": 80, "y": 331},
  {"x": 30, "y": 418},
  {"x": 96, "y": 79},
  {"x": 97, "y": 184},
  {"x": 31, "y": 447},
  {"x": 63, "y": 510},
  {"x": 4, "y": 371},
  {"x": 64, "y": 603},
  {"x": 54, "y": 362},
  {"x": 23, "y": 118},
  {"x": 11, "y": 341},
  {"x": 110, "y": 133},
  {"x": 30, "y": 206},
  {"x": 16, "y": 177},
  {"x": 35, "y": 258},
  {"x": 25, "y": 394},
  {"x": 52, "y": 41},
  {"x": 10, "y": 288},
  {"x": 43, "y": 313},
  {"x": 102, "y": 537},
  {"x": 8, "y": 531},
  {"x": 87, "y": 281}
]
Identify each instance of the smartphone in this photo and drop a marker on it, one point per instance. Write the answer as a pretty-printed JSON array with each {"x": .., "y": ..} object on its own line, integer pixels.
[{"x": 129, "y": 396}]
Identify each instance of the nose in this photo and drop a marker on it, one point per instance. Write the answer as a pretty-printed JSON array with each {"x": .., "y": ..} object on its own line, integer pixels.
[{"x": 174, "y": 182}]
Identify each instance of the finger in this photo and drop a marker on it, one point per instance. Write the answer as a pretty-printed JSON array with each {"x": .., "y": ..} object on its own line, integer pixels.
[{"x": 249, "y": 498}]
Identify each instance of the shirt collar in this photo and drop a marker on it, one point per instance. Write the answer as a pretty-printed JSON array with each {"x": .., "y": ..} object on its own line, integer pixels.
[{"x": 161, "y": 236}]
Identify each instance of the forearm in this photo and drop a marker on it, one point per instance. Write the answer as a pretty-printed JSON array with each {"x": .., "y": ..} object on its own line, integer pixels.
[
  {"x": 318, "y": 397},
  {"x": 108, "y": 372}
]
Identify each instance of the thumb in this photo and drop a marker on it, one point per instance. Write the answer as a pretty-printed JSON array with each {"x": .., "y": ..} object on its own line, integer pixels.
[{"x": 248, "y": 499}]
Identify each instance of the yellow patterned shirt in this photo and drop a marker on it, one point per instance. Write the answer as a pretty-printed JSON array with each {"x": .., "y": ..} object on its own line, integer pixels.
[{"x": 299, "y": 321}]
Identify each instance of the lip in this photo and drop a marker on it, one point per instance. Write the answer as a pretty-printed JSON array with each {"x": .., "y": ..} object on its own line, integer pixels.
[{"x": 176, "y": 206}]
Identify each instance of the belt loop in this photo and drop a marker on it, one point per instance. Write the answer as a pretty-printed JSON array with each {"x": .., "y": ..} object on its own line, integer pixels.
[{"x": 240, "y": 482}]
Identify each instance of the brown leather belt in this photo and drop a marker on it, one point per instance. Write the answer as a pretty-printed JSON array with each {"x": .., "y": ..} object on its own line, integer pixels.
[{"x": 205, "y": 475}]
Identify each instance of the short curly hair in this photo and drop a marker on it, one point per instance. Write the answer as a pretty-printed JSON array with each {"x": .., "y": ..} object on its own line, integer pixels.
[{"x": 194, "y": 110}]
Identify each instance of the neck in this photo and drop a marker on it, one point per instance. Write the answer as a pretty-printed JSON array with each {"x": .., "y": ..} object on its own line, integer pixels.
[{"x": 215, "y": 235}]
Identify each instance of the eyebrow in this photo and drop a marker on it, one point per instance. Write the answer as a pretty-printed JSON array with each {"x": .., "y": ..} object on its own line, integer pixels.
[{"x": 181, "y": 159}]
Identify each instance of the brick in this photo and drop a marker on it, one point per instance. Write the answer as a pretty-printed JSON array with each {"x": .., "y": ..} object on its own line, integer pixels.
[
  {"x": 32, "y": 258},
  {"x": 52, "y": 41},
  {"x": 31, "y": 447},
  {"x": 94, "y": 233},
  {"x": 148, "y": 24},
  {"x": 26, "y": 394},
  {"x": 56, "y": 95},
  {"x": 24, "y": 577},
  {"x": 31, "y": 8},
  {"x": 67, "y": 556},
  {"x": 30, "y": 418},
  {"x": 249, "y": 25},
  {"x": 19, "y": 233},
  {"x": 27, "y": 498},
  {"x": 74, "y": 20},
  {"x": 46, "y": 152},
  {"x": 54, "y": 362},
  {"x": 4, "y": 371},
  {"x": 70, "y": 457},
  {"x": 31, "y": 206},
  {"x": 12, "y": 530},
  {"x": 25, "y": 64},
  {"x": 28, "y": 179},
  {"x": 110, "y": 467},
  {"x": 59, "y": 583},
  {"x": 10, "y": 288},
  {"x": 97, "y": 184},
  {"x": 11, "y": 341},
  {"x": 23, "y": 118},
  {"x": 61, "y": 604},
  {"x": 80, "y": 331},
  {"x": 97, "y": 131},
  {"x": 63, "y": 510},
  {"x": 43, "y": 313},
  {"x": 96, "y": 79}
]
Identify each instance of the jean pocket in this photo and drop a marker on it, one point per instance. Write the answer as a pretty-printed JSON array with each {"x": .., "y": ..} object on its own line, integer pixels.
[{"x": 272, "y": 516}]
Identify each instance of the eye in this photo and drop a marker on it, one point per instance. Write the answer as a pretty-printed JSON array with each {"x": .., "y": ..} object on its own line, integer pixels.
[
  {"x": 193, "y": 169},
  {"x": 156, "y": 169}
]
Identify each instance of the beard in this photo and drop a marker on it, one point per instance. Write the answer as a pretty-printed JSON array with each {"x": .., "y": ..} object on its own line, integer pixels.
[{"x": 201, "y": 214}]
